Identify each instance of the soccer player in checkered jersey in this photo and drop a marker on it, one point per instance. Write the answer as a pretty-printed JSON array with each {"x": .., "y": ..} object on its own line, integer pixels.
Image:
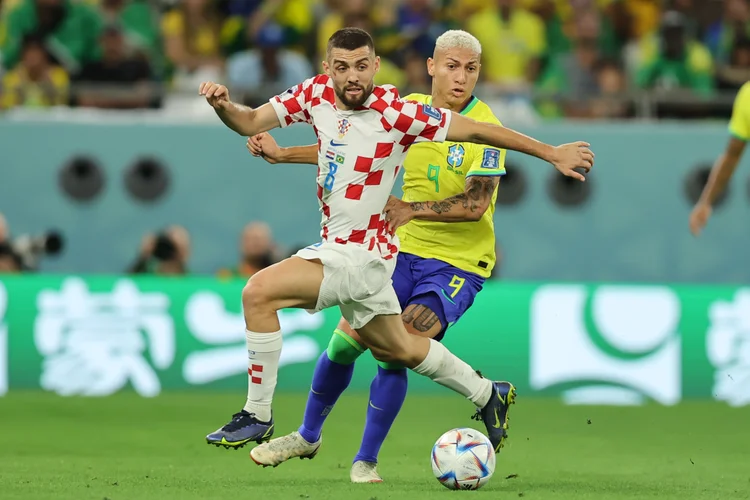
[
  {"x": 447, "y": 249},
  {"x": 364, "y": 132}
]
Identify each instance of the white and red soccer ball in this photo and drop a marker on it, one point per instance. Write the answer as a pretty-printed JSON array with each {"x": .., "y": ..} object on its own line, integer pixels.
[{"x": 463, "y": 459}]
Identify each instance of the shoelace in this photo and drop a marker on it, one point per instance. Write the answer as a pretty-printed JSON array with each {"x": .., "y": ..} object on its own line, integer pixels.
[{"x": 238, "y": 421}]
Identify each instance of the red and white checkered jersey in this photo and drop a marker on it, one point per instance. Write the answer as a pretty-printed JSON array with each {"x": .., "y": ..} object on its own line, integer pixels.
[{"x": 359, "y": 155}]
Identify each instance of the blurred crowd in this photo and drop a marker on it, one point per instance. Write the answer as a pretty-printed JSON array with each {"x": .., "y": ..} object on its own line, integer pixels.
[
  {"x": 572, "y": 56},
  {"x": 165, "y": 252}
]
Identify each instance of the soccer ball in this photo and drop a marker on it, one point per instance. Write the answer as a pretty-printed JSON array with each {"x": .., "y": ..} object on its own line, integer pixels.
[{"x": 463, "y": 459}]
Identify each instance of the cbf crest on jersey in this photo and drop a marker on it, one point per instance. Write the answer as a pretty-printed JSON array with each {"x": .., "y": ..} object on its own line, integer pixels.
[
  {"x": 491, "y": 159},
  {"x": 456, "y": 155},
  {"x": 344, "y": 126}
]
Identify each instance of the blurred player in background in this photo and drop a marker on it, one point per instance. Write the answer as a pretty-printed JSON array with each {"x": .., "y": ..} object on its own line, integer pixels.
[
  {"x": 721, "y": 173},
  {"x": 447, "y": 250},
  {"x": 363, "y": 134}
]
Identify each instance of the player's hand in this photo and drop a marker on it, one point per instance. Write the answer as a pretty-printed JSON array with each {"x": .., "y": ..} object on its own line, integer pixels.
[
  {"x": 397, "y": 213},
  {"x": 264, "y": 146},
  {"x": 699, "y": 217},
  {"x": 568, "y": 157},
  {"x": 217, "y": 95}
]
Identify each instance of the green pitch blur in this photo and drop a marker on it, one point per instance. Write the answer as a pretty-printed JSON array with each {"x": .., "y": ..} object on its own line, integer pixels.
[{"x": 126, "y": 447}]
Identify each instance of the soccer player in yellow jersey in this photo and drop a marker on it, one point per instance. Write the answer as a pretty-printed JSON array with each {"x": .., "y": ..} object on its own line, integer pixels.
[
  {"x": 447, "y": 247},
  {"x": 739, "y": 129}
]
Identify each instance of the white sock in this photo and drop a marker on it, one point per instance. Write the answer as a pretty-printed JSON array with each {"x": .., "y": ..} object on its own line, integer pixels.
[
  {"x": 263, "y": 352},
  {"x": 443, "y": 367}
]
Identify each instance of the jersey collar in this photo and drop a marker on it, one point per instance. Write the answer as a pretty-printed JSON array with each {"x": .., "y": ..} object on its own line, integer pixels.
[{"x": 467, "y": 107}]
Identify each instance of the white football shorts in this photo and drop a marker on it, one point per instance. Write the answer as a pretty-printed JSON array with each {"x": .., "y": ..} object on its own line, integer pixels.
[{"x": 357, "y": 281}]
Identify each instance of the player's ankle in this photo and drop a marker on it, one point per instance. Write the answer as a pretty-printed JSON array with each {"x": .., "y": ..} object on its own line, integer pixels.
[
  {"x": 310, "y": 436},
  {"x": 484, "y": 394},
  {"x": 261, "y": 411}
]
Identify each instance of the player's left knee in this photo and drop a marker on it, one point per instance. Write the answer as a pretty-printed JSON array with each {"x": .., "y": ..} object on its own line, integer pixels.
[{"x": 257, "y": 293}]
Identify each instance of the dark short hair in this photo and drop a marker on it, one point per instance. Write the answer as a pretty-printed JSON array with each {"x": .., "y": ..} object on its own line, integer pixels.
[{"x": 350, "y": 39}]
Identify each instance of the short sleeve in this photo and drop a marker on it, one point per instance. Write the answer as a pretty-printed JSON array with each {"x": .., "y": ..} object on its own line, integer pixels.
[
  {"x": 739, "y": 125},
  {"x": 487, "y": 161},
  {"x": 418, "y": 122},
  {"x": 293, "y": 106}
]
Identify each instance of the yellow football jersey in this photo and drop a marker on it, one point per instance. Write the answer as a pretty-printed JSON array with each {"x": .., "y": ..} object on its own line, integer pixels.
[
  {"x": 739, "y": 125},
  {"x": 435, "y": 171}
]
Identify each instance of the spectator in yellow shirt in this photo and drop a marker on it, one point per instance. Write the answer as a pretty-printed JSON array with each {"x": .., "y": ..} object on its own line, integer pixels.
[
  {"x": 191, "y": 35},
  {"x": 515, "y": 41},
  {"x": 35, "y": 82}
]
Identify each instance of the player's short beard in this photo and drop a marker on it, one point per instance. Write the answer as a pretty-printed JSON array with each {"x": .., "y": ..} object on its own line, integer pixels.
[{"x": 354, "y": 103}]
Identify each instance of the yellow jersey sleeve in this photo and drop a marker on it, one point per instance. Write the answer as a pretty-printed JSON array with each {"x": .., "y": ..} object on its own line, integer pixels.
[
  {"x": 739, "y": 124},
  {"x": 486, "y": 160}
]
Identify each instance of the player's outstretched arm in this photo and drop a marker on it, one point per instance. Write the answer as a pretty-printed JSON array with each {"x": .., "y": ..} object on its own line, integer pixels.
[
  {"x": 244, "y": 120},
  {"x": 266, "y": 147},
  {"x": 721, "y": 173},
  {"x": 564, "y": 158},
  {"x": 468, "y": 206}
]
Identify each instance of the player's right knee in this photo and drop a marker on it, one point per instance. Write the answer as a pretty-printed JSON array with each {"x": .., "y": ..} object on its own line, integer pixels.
[{"x": 343, "y": 349}]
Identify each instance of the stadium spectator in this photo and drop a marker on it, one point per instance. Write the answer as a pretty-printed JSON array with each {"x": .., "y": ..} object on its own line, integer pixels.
[
  {"x": 192, "y": 42},
  {"x": 674, "y": 60},
  {"x": 69, "y": 29},
  {"x": 268, "y": 68},
  {"x": 609, "y": 101},
  {"x": 644, "y": 15},
  {"x": 418, "y": 25},
  {"x": 166, "y": 253},
  {"x": 389, "y": 72},
  {"x": 10, "y": 262},
  {"x": 415, "y": 72},
  {"x": 573, "y": 74},
  {"x": 35, "y": 82},
  {"x": 735, "y": 23},
  {"x": 257, "y": 251},
  {"x": 563, "y": 26},
  {"x": 248, "y": 17},
  {"x": 513, "y": 41},
  {"x": 736, "y": 71},
  {"x": 344, "y": 13},
  {"x": 117, "y": 80},
  {"x": 140, "y": 26}
]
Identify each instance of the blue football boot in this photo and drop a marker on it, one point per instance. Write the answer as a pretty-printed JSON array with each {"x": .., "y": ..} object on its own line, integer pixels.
[
  {"x": 242, "y": 429},
  {"x": 495, "y": 413}
]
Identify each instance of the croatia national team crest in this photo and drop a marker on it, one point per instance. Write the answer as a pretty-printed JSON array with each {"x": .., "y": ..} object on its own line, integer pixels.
[
  {"x": 456, "y": 155},
  {"x": 344, "y": 126}
]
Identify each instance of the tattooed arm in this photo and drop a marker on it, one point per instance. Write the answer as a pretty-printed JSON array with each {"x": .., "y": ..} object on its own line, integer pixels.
[{"x": 465, "y": 207}]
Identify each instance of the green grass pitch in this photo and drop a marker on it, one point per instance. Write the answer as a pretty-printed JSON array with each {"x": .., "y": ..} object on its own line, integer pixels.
[{"x": 128, "y": 448}]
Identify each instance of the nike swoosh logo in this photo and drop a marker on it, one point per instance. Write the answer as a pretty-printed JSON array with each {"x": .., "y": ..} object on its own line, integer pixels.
[
  {"x": 335, "y": 144},
  {"x": 497, "y": 417},
  {"x": 447, "y": 297},
  {"x": 380, "y": 409}
]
